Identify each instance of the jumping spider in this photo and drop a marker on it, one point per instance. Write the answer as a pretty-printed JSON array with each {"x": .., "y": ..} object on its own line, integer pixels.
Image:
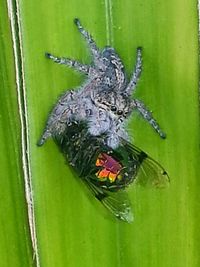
[{"x": 104, "y": 102}]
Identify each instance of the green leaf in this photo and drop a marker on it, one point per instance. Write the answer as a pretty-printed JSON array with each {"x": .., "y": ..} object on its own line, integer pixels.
[
  {"x": 72, "y": 228},
  {"x": 15, "y": 245}
]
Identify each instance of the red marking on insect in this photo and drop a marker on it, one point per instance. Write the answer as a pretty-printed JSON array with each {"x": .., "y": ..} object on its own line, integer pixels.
[{"x": 111, "y": 167}]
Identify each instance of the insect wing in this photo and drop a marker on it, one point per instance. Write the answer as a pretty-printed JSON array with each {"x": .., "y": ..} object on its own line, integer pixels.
[
  {"x": 150, "y": 173},
  {"x": 116, "y": 202}
]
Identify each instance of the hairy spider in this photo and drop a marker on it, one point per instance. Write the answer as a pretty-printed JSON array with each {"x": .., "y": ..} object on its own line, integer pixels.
[{"x": 104, "y": 102}]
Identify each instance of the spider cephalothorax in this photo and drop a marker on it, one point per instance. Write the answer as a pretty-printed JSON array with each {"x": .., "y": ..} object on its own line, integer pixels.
[{"x": 117, "y": 104}]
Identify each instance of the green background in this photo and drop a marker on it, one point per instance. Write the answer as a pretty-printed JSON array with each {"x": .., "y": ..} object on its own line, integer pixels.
[{"x": 72, "y": 228}]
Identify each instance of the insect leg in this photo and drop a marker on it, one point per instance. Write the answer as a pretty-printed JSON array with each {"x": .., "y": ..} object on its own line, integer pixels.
[
  {"x": 58, "y": 118},
  {"x": 71, "y": 63},
  {"x": 136, "y": 74},
  {"x": 147, "y": 115},
  {"x": 91, "y": 43}
]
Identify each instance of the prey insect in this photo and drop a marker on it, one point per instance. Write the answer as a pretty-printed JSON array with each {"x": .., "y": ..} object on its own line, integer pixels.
[{"x": 88, "y": 126}]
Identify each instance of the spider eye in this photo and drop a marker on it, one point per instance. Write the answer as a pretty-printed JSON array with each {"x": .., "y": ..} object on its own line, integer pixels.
[
  {"x": 88, "y": 112},
  {"x": 119, "y": 112},
  {"x": 113, "y": 108}
]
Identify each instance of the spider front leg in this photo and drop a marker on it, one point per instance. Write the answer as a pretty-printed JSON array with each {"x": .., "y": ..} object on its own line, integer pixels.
[
  {"x": 147, "y": 115},
  {"x": 87, "y": 69},
  {"x": 136, "y": 74},
  {"x": 60, "y": 115},
  {"x": 115, "y": 134}
]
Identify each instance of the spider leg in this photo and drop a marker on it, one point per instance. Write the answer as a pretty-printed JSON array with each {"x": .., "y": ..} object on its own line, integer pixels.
[
  {"x": 91, "y": 43},
  {"x": 115, "y": 133},
  {"x": 87, "y": 69},
  {"x": 147, "y": 115},
  {"x": 61, "y": 113},
  {"x": 136, "y": 74}
]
